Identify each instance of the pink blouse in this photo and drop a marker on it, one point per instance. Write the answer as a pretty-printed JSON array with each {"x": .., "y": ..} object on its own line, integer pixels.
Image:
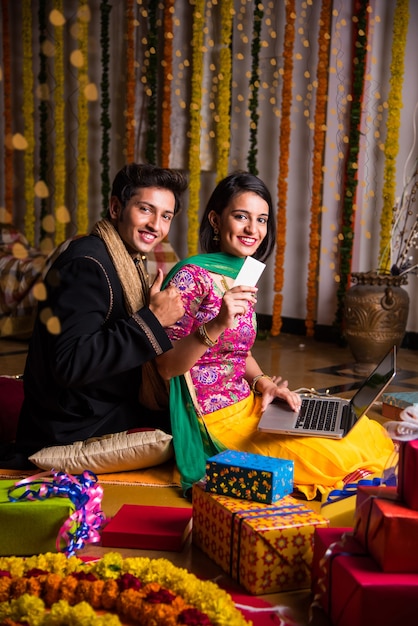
[{"x": 218, "y": 376}]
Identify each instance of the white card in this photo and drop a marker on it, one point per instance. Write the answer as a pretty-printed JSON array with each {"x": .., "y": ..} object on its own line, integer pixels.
[{"x": 249, "y": 273}]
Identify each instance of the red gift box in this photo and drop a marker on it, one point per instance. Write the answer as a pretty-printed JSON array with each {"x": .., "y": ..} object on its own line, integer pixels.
[
  {"x": 354, "y": 590},
  {"x": 361, "y": 594},
  {"x": 336, "y": 541},
  {"x": 148, "y": 528},
  {"x": 407, "y": 473},
  {"x": 387, "y": 529}
]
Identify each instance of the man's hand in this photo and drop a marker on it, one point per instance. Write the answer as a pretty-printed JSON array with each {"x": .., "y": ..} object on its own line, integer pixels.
[{"x": 166, "y": 305}]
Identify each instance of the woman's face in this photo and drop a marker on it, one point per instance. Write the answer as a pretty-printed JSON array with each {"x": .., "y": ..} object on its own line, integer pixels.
[{"x": 242, "y": 225}]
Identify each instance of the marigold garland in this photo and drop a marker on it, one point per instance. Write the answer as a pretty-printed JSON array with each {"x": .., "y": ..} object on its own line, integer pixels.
[
  {"x": 359, "y": 56},
  {"x": 28, "y": 112},
  {"x": 167, "y": 83},
  {"x": 400, "y": 29},
  {"x": 60, "y": 170},
  {"x": 8, "y": 150},
  {"x": 130, "y": 84},
  {"x": 255, "y": 83},
  {"x": 83, "y": 114},
  {"x": 43, "y": 120},
  {"x": 324, "y": 40},
  {"x": 139, "y": 589},
  {"x": 284, "y": 146},
  {"x": 152, "y": 83},
  {"x": 195, "y": 123},
  {"x": 223, "y": 127},
  {"x": 105, "y": 123}
]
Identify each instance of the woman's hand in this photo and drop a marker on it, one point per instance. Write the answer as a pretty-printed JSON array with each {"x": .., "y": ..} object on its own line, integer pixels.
[
  {"x": 235, "y": 301},
  {"x": 278, "y": 388}
]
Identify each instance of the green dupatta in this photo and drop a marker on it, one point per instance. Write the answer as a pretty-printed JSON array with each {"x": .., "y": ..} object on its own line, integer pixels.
[{"x": 192, "y": 442}]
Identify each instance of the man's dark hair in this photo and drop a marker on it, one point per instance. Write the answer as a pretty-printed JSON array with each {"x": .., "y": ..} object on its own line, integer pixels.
[
  {"x": 234, "y": 185},
  {"x": 138, "y": 175}
]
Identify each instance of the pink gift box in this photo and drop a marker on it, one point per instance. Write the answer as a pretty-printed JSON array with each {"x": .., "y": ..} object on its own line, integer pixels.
[
  {"x": 387, "y": 529},
  {"x": 353, "y": 590},
  {"x": 407, "y": 473}
]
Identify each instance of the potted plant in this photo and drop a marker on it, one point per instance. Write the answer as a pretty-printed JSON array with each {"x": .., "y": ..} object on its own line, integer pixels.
[{"x": 376, "y": 307}]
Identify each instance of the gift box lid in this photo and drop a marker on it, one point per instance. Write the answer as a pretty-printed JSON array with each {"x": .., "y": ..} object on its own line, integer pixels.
[
  {"x": 148, "y": 527},
  {"x": 249, "y": 476}
]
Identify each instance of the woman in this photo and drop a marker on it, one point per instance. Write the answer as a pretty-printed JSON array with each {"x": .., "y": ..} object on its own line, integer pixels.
[{"x": 217, "y": 389}]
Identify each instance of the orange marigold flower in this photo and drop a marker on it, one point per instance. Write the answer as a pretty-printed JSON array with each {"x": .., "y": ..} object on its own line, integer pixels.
[{"x": 110, "y": 594}]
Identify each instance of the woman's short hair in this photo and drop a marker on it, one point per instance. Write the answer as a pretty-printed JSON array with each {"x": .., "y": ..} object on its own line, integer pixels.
[{"x": 235, "y": 184}]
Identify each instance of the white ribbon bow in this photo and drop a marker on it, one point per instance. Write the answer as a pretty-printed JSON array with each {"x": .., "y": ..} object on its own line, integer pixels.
[{"x": 406, "y": 428}]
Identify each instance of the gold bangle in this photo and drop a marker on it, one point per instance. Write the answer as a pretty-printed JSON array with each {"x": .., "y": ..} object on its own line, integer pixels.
[
  {"x": 203, "y": 334},
  {"x": 255, "y": 381}
]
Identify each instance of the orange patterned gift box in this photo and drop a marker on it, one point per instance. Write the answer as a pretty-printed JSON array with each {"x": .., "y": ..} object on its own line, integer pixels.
[{"x": 267, "y": 548}]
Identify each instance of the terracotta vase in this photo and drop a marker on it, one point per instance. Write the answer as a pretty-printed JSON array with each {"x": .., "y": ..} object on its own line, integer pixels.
[{"x": 375, "y": 315}]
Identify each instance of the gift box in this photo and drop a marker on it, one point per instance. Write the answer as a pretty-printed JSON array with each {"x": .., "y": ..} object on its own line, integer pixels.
[
  {"x": 387, "y": 529},
  {"x": 407, "y": 473},
  {"x": 394, "y": 403},
  {"x": 354, "y": 590},
  {"x": 336, "y": 539},
  {"x": 249, "y": 476},
  {"x": 148, "y": 528},
  {"x": 30, "y": 527},
  {"x": 267, "y": 548}
]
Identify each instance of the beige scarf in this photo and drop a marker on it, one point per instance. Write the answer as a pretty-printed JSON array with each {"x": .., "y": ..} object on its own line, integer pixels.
[
  {"x": 153, "y": 392},
  {"x": 132, "y": 275}
]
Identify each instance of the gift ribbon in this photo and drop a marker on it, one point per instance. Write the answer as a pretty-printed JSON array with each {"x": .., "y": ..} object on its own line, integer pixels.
[
  {"x": 83, "y": 526},
  {"x": 350, "y": 489},
  {"x": 406, "y": 429}
]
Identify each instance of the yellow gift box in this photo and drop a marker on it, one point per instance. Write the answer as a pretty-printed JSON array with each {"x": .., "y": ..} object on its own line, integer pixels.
[{"x": 267, "y": 548}]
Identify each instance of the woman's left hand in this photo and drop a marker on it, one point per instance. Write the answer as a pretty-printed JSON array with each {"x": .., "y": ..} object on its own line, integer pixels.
[{"x": 278, "y": 388}]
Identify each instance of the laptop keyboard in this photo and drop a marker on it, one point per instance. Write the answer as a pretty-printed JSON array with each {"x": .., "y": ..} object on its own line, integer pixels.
[{"x": 317, "y": 415}]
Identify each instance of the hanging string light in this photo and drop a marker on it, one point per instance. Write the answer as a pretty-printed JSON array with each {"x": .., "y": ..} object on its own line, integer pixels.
[{"x": 223, "y": 125}]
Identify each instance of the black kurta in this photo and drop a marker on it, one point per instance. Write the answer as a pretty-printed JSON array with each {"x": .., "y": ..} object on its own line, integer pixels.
[{"x": 83, "y": 381}]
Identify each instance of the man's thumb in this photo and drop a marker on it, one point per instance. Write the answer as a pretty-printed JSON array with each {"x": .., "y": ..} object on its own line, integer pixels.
[{"x": 158, "y": 281}]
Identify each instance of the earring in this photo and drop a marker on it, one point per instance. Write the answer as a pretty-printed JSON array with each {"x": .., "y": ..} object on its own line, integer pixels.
[{"x": 216, "y": 235}]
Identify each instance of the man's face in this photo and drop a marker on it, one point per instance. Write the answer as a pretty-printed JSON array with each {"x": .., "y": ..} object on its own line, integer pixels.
[{"x": 145, "y": 220}]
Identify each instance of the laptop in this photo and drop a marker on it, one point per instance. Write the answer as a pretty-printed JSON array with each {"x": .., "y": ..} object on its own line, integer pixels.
[{"x": 329, "y": 416}]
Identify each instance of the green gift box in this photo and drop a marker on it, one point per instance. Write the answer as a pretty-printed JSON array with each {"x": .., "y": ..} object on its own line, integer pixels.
[{"x": 30, "y": 527}]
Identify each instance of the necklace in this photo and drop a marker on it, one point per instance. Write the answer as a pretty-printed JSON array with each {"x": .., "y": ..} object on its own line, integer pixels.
[{"x": 224, "y": 283}]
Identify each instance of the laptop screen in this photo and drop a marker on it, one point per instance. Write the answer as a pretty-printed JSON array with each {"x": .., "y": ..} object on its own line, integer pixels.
[{"x": 375, "y": 384}]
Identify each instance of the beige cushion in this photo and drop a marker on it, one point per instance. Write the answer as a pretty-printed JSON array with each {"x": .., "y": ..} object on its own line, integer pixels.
[{"x": 120, "y": 452}]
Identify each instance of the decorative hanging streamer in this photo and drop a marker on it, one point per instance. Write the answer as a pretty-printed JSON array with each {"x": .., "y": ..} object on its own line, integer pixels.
[
  {"x": 105, "y": 122},
  {"x": 324, "y": 39},
  {"x": 83, "y": 19},
  {"x": 28, "y": 111},
  {"x": 284, "y": 146},
  {"x": 195, "y": 123},
  {"x": 60, "y": 171},
  {"x": 7, "y": 91},
  {"x": 359, "y": 57},
  {"x": 83, "y": 526},
  {"x": 223, "y": 126},
  {"x": 167, "y": 83},
  {"x": 394, "y": 107},
  {"x": 152, "y": 83},
  {"x": 254, "y": 86},
  {"x": 43, "y": 119},
  {"x": 130, "y": 84}
]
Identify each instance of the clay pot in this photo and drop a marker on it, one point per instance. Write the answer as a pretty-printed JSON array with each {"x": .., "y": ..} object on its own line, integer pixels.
[{"x": 375, "y": 315}]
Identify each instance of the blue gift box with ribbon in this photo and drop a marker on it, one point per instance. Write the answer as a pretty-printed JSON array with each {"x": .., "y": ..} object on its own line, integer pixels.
[
  {"x": 249, "y": 476},
  {"x": 49, "y": 513}
]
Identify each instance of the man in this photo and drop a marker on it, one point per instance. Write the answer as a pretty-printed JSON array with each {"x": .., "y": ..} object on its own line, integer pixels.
[{"x": 100, "y": 321}]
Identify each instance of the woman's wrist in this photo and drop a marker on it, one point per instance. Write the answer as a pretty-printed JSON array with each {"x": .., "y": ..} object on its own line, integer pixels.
[
  {"x": 205, "y": 337},
  {"x": 254, "y": 382}
]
